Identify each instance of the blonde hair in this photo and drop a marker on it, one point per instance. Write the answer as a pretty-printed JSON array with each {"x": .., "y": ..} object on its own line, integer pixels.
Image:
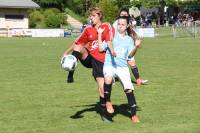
[{"x": 95, "y": 10}]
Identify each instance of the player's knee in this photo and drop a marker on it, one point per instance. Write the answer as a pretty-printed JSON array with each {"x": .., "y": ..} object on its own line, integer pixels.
[
  {"x": 132, "y": 63},
  {"x": 84, "y": 53},
  {"x": 78, "y": 48},
  {"x": 128, "y": 91}
]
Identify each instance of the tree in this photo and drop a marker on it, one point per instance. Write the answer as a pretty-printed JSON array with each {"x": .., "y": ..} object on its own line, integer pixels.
[
  {"x": 53, "y": 18},
  {"x": 60, "y": 4},
  {"x": 109, "y": 9},
  {"x": 122, "y": 3}
]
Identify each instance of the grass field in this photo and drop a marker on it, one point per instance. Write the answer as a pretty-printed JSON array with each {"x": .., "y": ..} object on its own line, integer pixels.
[{"x": 34, "y": 97}]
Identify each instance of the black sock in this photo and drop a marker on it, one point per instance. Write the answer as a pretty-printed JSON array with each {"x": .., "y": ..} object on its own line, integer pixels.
[
  {"x": 131, "y": 102},
  {"x": 107, "y": 91},
  {"x": 102, "y": 101},
  {"x": 135, "y": 72},
  {"x": 70, "y": 74},
  {"x": 76, "y": 54}
]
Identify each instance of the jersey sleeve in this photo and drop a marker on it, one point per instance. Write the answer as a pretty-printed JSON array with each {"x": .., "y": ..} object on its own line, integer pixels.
[{"x": 82, "y": 39}]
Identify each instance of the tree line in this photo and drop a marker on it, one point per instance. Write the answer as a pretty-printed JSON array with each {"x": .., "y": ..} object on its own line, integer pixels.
[{"x": 109, "y": 7}]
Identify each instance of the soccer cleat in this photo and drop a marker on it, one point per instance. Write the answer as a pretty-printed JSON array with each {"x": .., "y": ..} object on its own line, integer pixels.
[
  {"x": 109, "y": 107},
  {"x": 135, "y": 119},
  {"x": 141, "y": 81},
  {"x": 104, "y": 115}
]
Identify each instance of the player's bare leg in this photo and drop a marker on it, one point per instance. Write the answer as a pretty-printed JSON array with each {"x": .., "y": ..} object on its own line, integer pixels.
[{"x": 135, "y": 72}]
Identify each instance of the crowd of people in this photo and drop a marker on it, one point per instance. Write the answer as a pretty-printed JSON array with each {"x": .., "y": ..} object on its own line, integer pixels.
[
  {"x": 110, "y": 51},
  {"x": 184, "y": 19}
]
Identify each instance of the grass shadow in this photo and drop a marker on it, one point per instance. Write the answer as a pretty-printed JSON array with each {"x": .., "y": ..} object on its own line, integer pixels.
[{"x": 122, "y": 109}]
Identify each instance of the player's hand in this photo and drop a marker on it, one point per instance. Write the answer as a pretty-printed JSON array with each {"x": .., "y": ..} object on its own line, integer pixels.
[
  {"x": 113, "y": 53},
  {"x": 100, "y": 30},
  {"x": 65, "y": 53},
  {"x": 138, "y": 42}
]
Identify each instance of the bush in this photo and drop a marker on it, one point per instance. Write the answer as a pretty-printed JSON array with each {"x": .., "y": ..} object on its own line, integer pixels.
[
  {"x": 35, "y": 17},
  {"x": 53, "y": 18},
  {"x": 50, "y": 18},
  {"x": 110, "y": 10},
  {"x": 52, "y": 21}
]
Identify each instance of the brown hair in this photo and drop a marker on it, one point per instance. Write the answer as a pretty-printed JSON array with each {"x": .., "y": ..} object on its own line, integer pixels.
[{"x": 96, "y": 10}]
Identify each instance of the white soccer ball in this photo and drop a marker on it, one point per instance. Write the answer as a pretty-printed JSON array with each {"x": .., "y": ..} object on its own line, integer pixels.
[{"x": 68, "y": 62}]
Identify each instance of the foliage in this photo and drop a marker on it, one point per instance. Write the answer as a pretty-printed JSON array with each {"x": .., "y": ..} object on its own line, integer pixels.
[
  {"x": 109, "y": 9},
  {"x": 77, "y": 6},
  {"x": 136, "y": 3},
  {"x": 52, "y": 3},
  {"x": 122, "y": 3},
  {"x": 51, "y": 18},
  {"x": 35, "y": 17},
  {"x": 145, "y": 3},
  {"x": 172, "y": 3}
]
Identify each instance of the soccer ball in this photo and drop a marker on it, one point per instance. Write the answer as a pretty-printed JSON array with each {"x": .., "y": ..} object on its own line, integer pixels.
[{"x": 68, "y": 62}]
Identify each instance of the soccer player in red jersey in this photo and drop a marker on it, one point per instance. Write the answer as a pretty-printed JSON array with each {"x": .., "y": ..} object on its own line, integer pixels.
[{"x": 90, "y": 56}]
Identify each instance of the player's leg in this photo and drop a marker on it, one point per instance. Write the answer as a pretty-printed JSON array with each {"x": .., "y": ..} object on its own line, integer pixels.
[
  {"x": 80, "y": 53},
  {"x": 132, "y": 104},
  {"x": 99, "y": 77},
  {"x": 135, "y": 72},
  {"x": 97, "y": 71},
  {"x": 100, "y": 83},
  {"x": 102, "y": 102},
  {"x": 108, "y": 77},
  {"x": 124, "y": 76}
]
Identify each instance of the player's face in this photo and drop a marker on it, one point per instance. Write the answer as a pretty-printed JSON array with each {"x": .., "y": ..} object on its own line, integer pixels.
[
  {"x": 122, "y": 25},
  {"x": 94, "y": 18},
  {"x": 123, "y": 13}
]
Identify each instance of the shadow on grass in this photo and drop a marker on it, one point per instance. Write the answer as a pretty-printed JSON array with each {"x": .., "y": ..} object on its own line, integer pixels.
[{"x": 122, "y": 109}]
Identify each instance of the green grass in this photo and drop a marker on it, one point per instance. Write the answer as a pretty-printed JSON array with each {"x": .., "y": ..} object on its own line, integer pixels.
[
  {"x": 164, "y": 31},
  {"x": 34, "y": 97}
]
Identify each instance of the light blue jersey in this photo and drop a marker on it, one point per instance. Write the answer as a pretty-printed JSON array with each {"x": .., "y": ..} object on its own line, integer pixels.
[{"x": 122, "y": 46}]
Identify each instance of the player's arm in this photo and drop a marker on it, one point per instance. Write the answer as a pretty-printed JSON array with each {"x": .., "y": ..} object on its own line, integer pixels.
[
  {"x": 137, "y": 43},
  {"x": 109, "y": 43},
  {"x": 109, "y": 31}
]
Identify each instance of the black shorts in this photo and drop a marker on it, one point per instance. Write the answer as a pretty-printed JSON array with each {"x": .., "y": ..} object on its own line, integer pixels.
[{"x": 97, "y": 66}]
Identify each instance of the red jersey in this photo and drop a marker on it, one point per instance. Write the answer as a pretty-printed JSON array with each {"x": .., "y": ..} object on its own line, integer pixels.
[{"x": 90, "y": 35}]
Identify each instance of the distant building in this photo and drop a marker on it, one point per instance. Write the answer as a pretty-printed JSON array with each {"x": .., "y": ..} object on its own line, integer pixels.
[{"x": 13, "y": 13}]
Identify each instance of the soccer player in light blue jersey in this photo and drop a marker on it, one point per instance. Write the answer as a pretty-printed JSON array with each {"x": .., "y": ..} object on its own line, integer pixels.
[
  {"x": 118, "y": 66},
  {"x": 134, "y": 35}
]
